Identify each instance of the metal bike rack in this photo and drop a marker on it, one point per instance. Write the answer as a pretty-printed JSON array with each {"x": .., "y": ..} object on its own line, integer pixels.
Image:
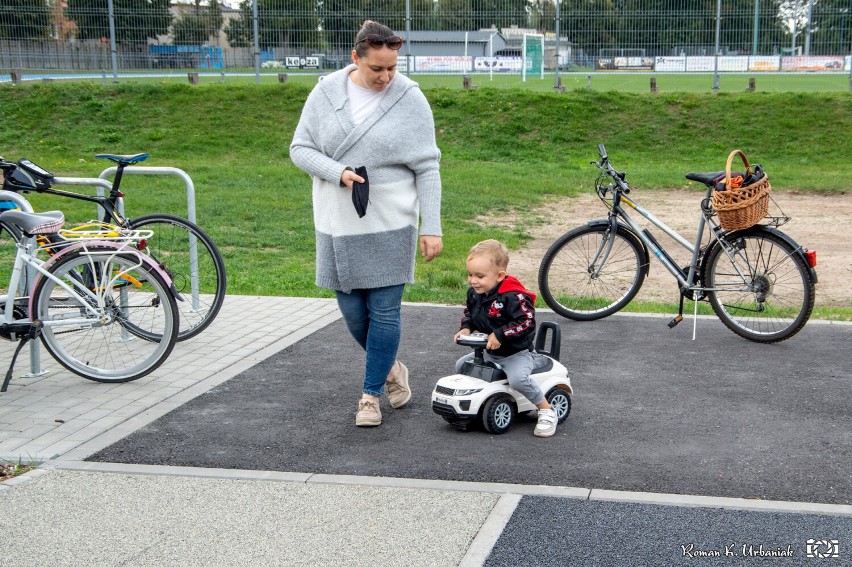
[
  {"x": 190, "y": 214},
  {"x": 144, "y": 170}
]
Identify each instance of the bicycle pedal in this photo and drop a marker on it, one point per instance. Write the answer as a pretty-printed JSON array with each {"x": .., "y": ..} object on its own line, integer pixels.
[{"x": 673, "y": 323}]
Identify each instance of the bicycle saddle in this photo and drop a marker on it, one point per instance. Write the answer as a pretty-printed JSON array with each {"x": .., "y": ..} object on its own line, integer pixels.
[
  {"x": 709, "y": 178},
  {"x": 124, "y": 159},
  {"x": 35, "y": 223}
]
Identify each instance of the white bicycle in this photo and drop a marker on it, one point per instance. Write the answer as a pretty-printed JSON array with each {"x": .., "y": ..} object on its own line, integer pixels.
[{"x": 102, "y": 308}]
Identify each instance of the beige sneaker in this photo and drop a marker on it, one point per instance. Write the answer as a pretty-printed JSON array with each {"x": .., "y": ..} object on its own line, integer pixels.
[
  {"x": 369, "y": 414},
  {"x": 397, "y": 386}
]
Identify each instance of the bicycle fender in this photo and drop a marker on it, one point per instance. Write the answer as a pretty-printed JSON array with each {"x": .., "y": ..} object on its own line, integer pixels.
[
  {"x": 102, "y": 244},
  {"x": 624, "y": 229},
  {"x": 757, "y": 229}
]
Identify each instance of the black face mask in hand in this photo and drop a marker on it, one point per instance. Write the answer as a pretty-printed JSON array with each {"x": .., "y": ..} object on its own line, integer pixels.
[{"x": 361, "y": 192}]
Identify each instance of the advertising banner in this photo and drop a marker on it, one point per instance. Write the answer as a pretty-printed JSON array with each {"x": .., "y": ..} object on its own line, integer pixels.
[
  {"x": 296, "y": 62},
  {"x": 764, "y": 63},
  {"x": 670, "y": 63},
  {"x": 498, "y": 64},
  {"x": 700, "y": 64},
  {"x": 812, "y": 63},
  {"x": 624, "y": 63},
  {"x": 442, "y": 63}
]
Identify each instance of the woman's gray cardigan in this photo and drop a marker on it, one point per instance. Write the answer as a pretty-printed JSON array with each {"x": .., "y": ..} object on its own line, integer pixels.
[{"x": 397, "y": 145}]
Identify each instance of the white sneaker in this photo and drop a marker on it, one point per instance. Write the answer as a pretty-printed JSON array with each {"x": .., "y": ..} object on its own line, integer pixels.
[{"x": 546, "y": 425}]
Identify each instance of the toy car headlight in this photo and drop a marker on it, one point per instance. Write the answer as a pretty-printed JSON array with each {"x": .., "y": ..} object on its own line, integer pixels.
[{"x": 468, "y": 392}]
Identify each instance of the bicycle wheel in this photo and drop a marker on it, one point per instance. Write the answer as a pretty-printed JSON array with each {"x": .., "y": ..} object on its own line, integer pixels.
[
  {"x": 567, "y": 278},
  {"x": 96, "y": 335},
  {"x": 193, "y": 262},
  {"x": 762, "y": 290}
]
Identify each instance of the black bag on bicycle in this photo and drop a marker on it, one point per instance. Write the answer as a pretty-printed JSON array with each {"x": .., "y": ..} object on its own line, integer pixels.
[{"x": 27, "y": 177}]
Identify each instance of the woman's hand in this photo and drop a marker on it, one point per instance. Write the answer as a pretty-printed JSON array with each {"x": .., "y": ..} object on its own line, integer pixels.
[
  {"x": 430, "y": 247},
  {"x": 349, "y": 177}
]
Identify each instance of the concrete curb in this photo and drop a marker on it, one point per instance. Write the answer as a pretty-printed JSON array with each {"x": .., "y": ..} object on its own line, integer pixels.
[{"x": 519, "y": 490}]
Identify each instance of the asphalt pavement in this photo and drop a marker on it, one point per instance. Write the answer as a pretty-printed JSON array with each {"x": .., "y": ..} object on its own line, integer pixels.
[{"x": 717, "y": 451}]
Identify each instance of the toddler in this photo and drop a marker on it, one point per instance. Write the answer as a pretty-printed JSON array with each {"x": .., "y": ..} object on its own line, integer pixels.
[{"x": 499, "y": 306}]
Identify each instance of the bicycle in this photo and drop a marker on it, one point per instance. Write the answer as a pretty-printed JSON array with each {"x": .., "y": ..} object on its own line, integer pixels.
[
  {"x": 197, "y": 271},
  {"x": 759, "y": 281},
  {"x": 103, "y": 309}
]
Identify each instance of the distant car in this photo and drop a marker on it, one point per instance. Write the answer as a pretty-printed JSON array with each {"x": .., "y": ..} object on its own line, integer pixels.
[
  {"x": 481, "y": 392},
  {"x": 834, "y": 65}
]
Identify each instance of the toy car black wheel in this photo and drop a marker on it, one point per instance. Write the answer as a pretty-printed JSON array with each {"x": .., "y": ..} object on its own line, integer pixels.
[
  {"x": 498, "y": 414},
  {"x": 560, "y": 399}
]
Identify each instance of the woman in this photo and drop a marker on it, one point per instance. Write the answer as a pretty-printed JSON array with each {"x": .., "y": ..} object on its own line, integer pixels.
[{"x": 368, "y": 116}]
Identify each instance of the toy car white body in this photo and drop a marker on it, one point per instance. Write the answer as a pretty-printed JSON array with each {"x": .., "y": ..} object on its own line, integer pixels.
[{"x": 482, "y": 392}]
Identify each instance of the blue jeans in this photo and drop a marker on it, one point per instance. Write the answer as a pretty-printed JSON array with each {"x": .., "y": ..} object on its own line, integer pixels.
[{"x": 373, "y": 318}]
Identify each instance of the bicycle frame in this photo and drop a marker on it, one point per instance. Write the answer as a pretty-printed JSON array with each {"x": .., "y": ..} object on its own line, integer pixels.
[
  {"x": 79, "y": 291},
  {"x": 687, "y": 280}
]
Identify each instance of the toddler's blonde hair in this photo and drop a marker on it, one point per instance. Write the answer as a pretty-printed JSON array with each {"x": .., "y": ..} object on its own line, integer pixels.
[{"x": 493, "y": 249}]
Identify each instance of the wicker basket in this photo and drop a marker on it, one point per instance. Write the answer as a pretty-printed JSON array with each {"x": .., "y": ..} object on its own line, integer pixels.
[{"x": 741, "y": 207}]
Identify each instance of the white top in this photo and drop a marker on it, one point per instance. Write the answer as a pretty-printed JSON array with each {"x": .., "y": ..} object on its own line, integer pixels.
[{"x": 363, "y": 101}]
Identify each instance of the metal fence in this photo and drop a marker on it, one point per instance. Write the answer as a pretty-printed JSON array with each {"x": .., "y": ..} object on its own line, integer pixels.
[{"x": 441, "y": 35}]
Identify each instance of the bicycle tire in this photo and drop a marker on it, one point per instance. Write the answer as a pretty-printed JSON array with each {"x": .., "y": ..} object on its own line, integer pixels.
[
  {"x": 565, "y": 279},
  {"x": 102, "y": 347},
  {"x": 170, "y": 247},
  {"x": 774, "y": 297}
]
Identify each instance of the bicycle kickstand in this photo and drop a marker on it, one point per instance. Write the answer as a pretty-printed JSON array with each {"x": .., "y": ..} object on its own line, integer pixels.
[
  {"x": 673, "y": 323},
  {"x": 33, "y": 333},
  {"x": 695, "y": 315}
]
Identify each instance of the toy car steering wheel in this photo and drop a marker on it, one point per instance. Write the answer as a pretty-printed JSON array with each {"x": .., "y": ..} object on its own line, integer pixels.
[{"x": 475, "y": 340}]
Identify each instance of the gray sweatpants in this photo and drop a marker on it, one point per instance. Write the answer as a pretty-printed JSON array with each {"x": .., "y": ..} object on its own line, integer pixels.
[{"x": 517, "y": 368}]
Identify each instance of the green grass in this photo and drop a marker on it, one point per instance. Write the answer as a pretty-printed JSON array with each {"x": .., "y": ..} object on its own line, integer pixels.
[
  {"x": 504, "y": 150},
  {"x": 9, "y": 470},
  {"x": 636, "y": 82}
]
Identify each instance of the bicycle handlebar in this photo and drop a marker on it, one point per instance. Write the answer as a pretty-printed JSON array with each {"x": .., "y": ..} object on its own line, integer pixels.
[{"x": 606, "y": 167}]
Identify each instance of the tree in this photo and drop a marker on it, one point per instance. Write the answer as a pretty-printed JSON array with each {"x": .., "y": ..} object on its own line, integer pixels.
[
  {"x": 288, "y": 24},
  {"x": 341, "y": 19},
  {"x": 135, "y": 20},
  {"x": 196, "y": 27},
  {"x": 25, "y": 19}
]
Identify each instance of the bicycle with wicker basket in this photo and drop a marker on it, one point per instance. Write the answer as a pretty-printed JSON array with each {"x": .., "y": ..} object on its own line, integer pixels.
[{"x": 758, "y": 280}]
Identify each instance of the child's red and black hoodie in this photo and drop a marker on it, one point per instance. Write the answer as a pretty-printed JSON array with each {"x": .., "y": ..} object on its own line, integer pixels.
[{"x": 507, "y": 311}]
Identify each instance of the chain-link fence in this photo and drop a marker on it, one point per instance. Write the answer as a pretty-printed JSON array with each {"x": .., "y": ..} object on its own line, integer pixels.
[{"x": 441, "y": 35}]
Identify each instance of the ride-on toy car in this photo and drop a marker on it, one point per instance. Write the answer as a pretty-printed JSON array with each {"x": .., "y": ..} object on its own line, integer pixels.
[{"x": 481, "y": 392}]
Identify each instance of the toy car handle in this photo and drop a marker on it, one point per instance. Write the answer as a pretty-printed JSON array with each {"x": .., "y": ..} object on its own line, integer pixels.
[{"x": 476, "y": 340}]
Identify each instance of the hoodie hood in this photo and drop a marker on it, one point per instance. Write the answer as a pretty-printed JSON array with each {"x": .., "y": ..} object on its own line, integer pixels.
[{"x": 511, "y": 283}]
